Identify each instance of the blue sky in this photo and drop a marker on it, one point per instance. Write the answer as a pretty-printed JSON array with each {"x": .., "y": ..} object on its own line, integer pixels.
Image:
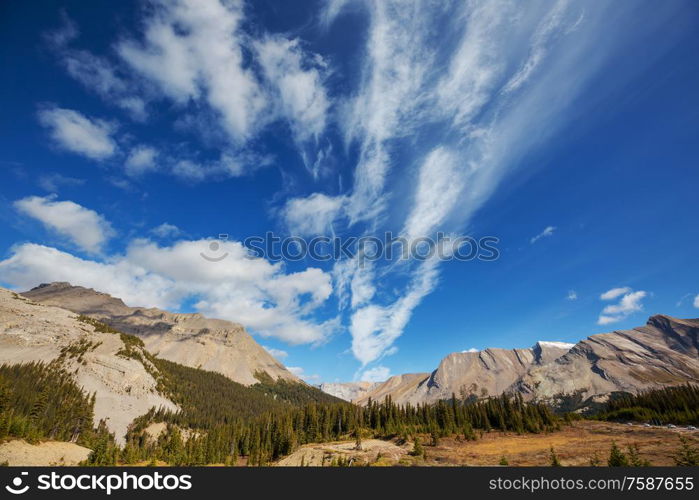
[{"x": 135, "y": 132}]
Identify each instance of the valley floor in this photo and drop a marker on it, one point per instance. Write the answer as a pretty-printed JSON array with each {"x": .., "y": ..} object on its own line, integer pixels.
[
  {"x": 574, "y": 445},
  {"x": 20, "y": 453}
]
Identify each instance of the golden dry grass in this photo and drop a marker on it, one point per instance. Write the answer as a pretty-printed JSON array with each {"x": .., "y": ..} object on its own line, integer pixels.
[{"x": 574, "y": 445}]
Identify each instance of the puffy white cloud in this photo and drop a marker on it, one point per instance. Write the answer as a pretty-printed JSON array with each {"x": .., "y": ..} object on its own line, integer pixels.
[
  {"x": 84, "y": 227},
  {"x": 572, "y": 295},
  {"x": 614, "y": 293},
  {"x": 238, "y": 287},
  {"x": 629, "y": 303},
  {"x": 548, "y": 231},
  {"x": 696, "y": 301},
  {"x": 472, "y": 349},
  {"x": 375, "y": 374},
  {"x": 141, "y": 160},
  {"x": 77, "y": 133},
  {"x": 277, "y": 353}
]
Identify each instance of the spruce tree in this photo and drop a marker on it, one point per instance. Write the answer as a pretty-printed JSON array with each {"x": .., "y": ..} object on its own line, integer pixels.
[
  {"x": 617, "y": 457},
  {"x": 687, "y": 455},
  {"x": 554, "y": 458}
]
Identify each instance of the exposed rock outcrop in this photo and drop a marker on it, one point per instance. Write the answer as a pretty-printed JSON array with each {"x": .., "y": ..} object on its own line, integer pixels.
[
  {"x": 663, "y": 352},
  {"x": 124, "y": 388},
  {"x": 349, "y": 391},
  {"x": 189, "y": 339}
]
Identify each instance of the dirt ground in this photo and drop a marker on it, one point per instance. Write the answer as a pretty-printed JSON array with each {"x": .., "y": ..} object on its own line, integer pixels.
[
  {"x": 374, "y": 451},
  {"x": 574, "y": 445},
  {"x": 21, "y": 453}
]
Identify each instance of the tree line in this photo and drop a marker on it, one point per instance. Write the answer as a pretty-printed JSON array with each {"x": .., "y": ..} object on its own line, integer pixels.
[{"x": 672, "y": 405}]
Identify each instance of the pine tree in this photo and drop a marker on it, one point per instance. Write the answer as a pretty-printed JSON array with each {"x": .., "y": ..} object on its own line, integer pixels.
[
  {"x": 417, "y": 448},
  {"x": 634, "y": 457},
  {"x": 687, "y": 455},
  {"x": 554, "y": 459},
  {"x": 617, "y": 457}
]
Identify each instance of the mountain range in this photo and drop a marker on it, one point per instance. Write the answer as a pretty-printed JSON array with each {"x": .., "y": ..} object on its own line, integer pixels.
[
  {"x": 76, "y": 325},
  {"x": 662, "y": 353}
]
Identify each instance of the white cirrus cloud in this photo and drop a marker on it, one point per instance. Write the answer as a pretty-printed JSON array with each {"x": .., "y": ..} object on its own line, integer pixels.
[
  {"x": 77, "y": 133},
  {"x": 548, "y": 231},
  {"x": 614, "y": 293},
  {"x": 192, "y": 51},
  {"x": 629, "y": 303},
  {"x": 84, "y": 227},
  {"x": 313, "y": 215},
  {"x": 95, "y": 73},
  {"x": 53, "y": 182},
  {"x": 297, "y": 77}
]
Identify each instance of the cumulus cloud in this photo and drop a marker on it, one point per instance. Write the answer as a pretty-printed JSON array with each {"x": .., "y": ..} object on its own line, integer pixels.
[
  {"x": 84, "y": 227},
  {"x": 629, "y": 303},
  {"x": 141, "y": 160},
  {"x": 472, "y": 349},
  {"x": 375, "y": 374},
  {"x": 696, "y": 301},
  {"x": 548, "y": 231},
  {"x": 239, "y": 287},
  {"x": 572, "y": 295},
  {"x": 77, "y": 133}
]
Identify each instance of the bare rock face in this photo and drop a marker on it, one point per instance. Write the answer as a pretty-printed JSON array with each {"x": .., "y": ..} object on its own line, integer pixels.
[
  {"x": 401, "y": 388},
  {"x": 349, "y": 391},
  {"x": 663, "y": 352},
  {"x": 482, "y": 373},
  {"x": 189, "y": 339},
  {"x": 124, "y": 388}
]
